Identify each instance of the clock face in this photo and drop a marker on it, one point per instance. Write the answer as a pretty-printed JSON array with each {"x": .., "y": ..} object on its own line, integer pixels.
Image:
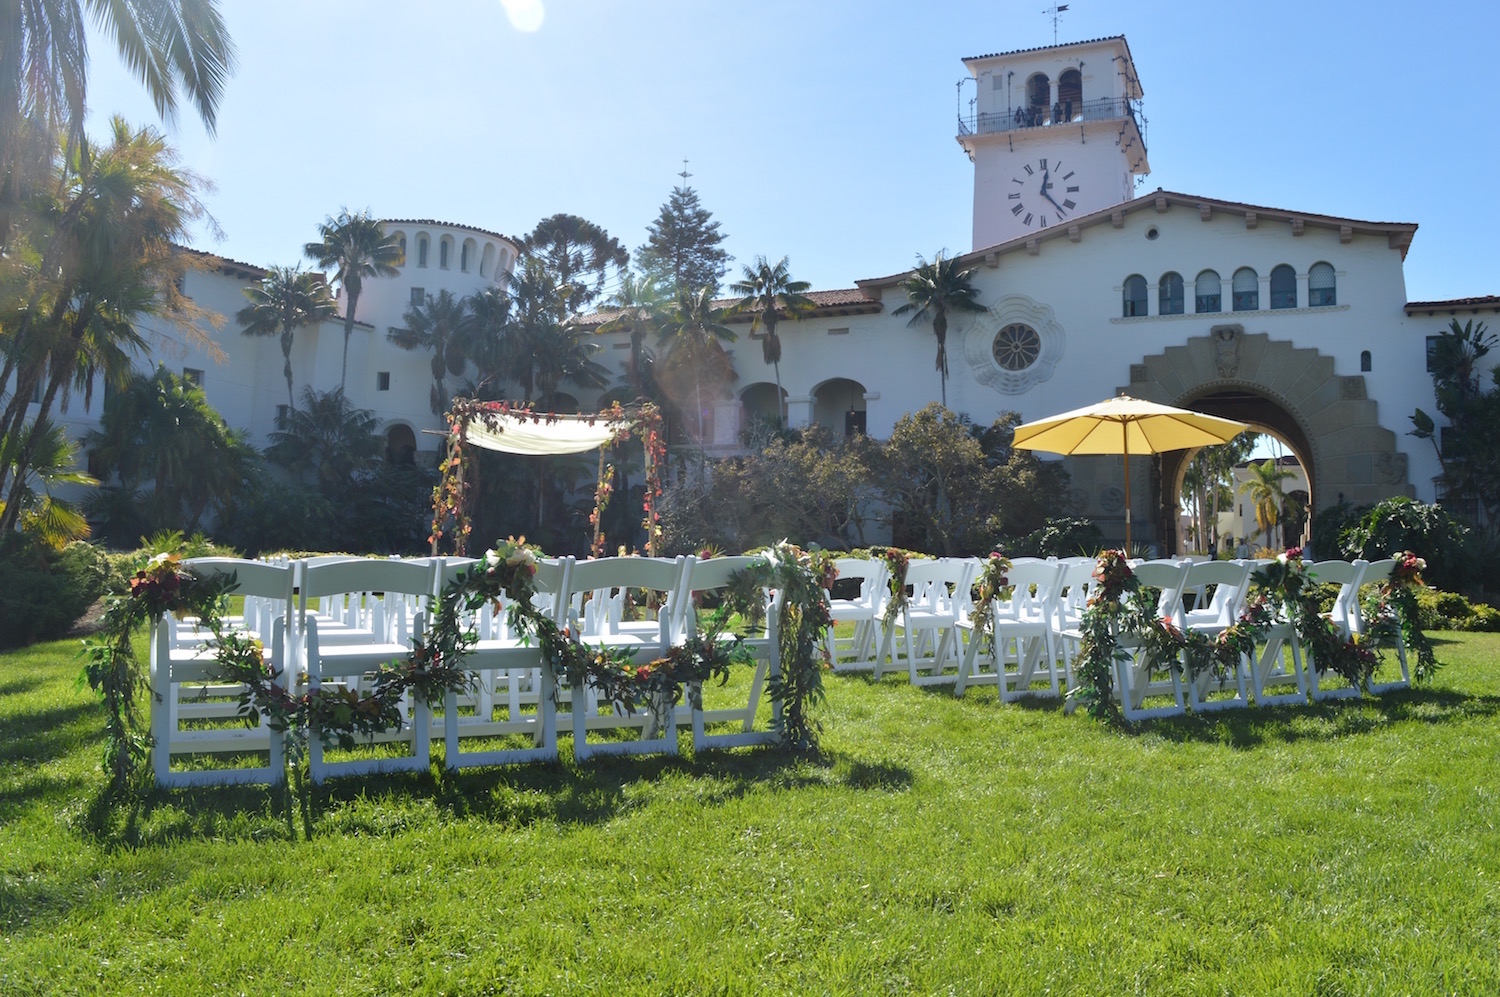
[{"x": 1043, "y": 193}]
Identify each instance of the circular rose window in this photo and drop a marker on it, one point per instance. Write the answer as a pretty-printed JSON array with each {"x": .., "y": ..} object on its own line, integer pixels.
[{"x": 1017, "y": 346}]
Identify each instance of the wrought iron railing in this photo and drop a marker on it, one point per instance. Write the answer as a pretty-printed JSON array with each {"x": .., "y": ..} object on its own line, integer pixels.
[{"x": 1063, "y": 113}]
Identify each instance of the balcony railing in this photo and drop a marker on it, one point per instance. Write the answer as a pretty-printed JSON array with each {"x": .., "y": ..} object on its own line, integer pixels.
[{"x": 1020, "y": 118}]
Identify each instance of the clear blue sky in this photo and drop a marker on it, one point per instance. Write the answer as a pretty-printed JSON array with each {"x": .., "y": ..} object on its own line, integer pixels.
[{"x": 824, "y": 129}]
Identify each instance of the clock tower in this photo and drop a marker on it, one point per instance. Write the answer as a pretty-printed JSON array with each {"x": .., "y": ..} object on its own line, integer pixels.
[{"x": 1054, "y": 133}]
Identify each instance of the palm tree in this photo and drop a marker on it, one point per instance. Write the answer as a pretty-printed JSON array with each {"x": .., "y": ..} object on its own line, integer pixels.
[
  {"x": 327, "y": 438},
  {"x": 104, "y": 255},
  {"x": 484, "y": 336},
  {"x": 172, "y": 46},
  {"x": 693, "y": 334},
  {"x": 354, "y": 247},
  {"x": 1266, "y": 494},
  {"x": 640, "y": 305},
  {"x": 286, "y": 300},
  {"x": 437, "y": 324},
  {"x": 53, "y": 462},
  {"x": 162, "y": 431},
  {"x": 565, "y": 354},
  {"x": 770, "y": 294},
  {"x": 932, "y": 291}
]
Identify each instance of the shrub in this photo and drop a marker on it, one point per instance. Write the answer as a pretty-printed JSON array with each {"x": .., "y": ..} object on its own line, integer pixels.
[
  {"x": 1438, "y": 610},
  {"x": 1329, "y": 525},
  {"x": 43, "y": 592},
  {"x": 1068, "y": 537},
  {"x": 1399, "y": 524}
]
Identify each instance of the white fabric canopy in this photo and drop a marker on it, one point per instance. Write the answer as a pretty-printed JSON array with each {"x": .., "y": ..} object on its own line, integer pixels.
[{"x": 524, "y": 434}]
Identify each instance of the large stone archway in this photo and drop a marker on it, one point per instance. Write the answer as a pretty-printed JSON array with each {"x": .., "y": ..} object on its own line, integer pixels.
[{"x": 1325, "y": 417}]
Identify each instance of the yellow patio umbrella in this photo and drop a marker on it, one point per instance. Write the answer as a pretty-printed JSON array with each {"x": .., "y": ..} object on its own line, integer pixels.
[{"x": 1126, "y": 425}]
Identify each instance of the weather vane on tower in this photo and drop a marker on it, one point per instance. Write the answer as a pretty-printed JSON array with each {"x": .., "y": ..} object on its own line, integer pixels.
[{"x": 1055, "y": 12}]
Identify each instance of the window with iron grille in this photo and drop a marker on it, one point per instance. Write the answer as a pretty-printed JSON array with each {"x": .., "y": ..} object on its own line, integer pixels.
[
  {"x": 1321, "y": 290},
  {"x": 1208, "y": 292},
  {"x": 1169, "y": 294},
  {"x": 1283, "y": 287},
  {"x": 1246, "y": 290}
]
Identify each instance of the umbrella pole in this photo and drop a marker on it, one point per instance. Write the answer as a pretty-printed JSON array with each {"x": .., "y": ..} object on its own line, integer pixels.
[{"x": 1125, "y": 448}]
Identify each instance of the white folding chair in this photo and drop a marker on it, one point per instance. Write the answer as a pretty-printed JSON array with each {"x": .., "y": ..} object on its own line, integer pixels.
[
  {"x": 516, "y": 692},
  {"x": 186, "y": 687},
  {"x": 1138, "y": 678},
  {"x": 1377, "y": 572},
  {"x": 1231, "y": 585},
  {"x": 713, "y": 575},
  {"x": 1022, "y": 633},
  {"x": 1347, "y": 577},
  {"x": 600, "y": 578},
  {"x": 379, "y": 590},
  {"x": 862, "y": 609}
]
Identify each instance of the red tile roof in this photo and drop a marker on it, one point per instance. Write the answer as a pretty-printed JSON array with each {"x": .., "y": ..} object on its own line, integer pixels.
[
  {"x": 224, "y": 263},
  {"x": 1489, "y": 301},
  {"x": 1043, "y": 48}
]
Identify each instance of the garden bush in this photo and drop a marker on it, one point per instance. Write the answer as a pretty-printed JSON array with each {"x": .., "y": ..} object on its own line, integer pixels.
[
  {"x": 43, "y": 592},
  {"x": 1069, "y": 537},
  {"x": 1399, "y": 524}
]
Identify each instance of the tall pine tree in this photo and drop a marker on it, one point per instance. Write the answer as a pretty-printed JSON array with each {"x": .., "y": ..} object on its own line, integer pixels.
[{"x": 682, "y": 251}]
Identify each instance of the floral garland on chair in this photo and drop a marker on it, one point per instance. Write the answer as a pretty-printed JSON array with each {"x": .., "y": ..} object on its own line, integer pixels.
[
  {"x": 992, "y": 583},
  {"x": 803, "y": 579},
  {"x": 897, "y": 560},
  {"x": 1393, "y": 608}
]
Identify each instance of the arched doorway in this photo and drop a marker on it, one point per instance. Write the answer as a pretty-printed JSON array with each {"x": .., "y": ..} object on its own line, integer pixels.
[
  {"x": 839, "y": 404},
  {"x": 400, "y": 445},
  {"x": 1292, "y": 392}
]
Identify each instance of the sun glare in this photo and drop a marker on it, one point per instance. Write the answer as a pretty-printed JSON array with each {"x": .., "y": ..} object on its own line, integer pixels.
[{"x": 525, "y": 15}]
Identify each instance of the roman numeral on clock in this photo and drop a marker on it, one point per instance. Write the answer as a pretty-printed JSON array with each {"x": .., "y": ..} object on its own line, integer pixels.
[
  {"x": 1072, "y": 190},
  {"x": 1069, "y": 205},
  {"x": 1027, "y": 219},
  {"x": 1017, "y": 209},
  {"x": 1028, "y": 169},
  {"x": 1014, "y": 197}
]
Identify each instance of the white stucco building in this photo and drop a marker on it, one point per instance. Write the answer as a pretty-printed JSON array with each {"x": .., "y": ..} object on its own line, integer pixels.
[{"x": 1289, "y": 319}]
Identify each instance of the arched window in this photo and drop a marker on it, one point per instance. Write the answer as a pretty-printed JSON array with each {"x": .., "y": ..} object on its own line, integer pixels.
[
  {"x": 1209, "y": 292},
  {"x": 1070, "y": 94},
  {"x": 421, "y": 250},
  {"x": 1135, "y": 296},
  {"x": 401, "y": 241},
  {"x": 1246, "y": 290},
  {"x": 1038, "y": 98},
  {"x": 1169, "y": 294},
  {"x": 463, "y": 258},
  {"x": 1320, "y": 286},
  {"x": 1364, "y": 361},
  {"x": 487, "y": 260},
  {"x": 445, "y": 248},
  {"x": 1283, "y": 287}
]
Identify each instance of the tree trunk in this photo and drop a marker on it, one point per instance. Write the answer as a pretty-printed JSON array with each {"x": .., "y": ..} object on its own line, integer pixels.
[{"x": 348, "y": 331}]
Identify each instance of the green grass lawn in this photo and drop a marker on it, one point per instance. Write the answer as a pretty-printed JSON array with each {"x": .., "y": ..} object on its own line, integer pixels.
[{"x": 935, "y": 846}]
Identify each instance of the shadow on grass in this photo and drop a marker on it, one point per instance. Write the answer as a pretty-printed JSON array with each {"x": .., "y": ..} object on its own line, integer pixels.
[
  {"x": 509, "y": 797},
  {"x": 1325, "y": 721}
]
